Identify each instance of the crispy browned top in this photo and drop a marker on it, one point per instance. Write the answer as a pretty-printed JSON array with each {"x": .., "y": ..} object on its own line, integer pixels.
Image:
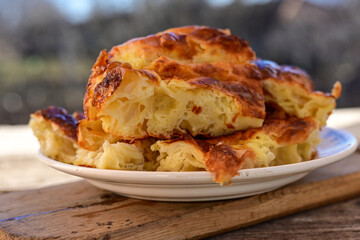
[
  {"x": 172, "y": 54},
  {"x": 336, "y": 91},
  {"x": 241, "y": 81},
  {"x": 224, "y": 161},
  {"x": 101, "y": 64},
  {"x": 185, "y": 30},
  {"x": 284, "y": 73},
  {"x": 65, "y": 122},
  {"x": 285, "y": 128},
  {"x": 236, "y": 80},
  {"x": 185, "y": 44}
]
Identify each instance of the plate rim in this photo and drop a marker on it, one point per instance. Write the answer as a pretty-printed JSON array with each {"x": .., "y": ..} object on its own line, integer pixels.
[{"x": 201, "y": 177}]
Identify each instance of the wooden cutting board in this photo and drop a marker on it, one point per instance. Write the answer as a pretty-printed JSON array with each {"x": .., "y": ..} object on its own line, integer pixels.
[{"x": 81, "y": 211}]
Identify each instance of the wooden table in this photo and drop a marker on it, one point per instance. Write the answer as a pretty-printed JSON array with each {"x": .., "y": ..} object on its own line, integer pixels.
[{"x": 20, "y": 170}]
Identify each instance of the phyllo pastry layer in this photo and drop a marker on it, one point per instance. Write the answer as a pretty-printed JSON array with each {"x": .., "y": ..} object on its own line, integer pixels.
[{"x": 188, "y": 99}]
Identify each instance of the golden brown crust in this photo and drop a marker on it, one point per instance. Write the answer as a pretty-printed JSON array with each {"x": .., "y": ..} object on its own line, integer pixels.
[
  {"x": 99, "y": 68},
  {"x": 101, "y": 62},
  {"x": 171, "y": 69},
  {"x": 285, "y": 128},
  {"x": 104, "y": 89},
  {"x": 189, "y": 44},
  {"x": 225, "y": 161},
  {"x": 336, "y": 91},
  {"x": 284, "y": 73},
  {"x": 212, "y": 36},
  {"x": 291, "y": 131},
  {"x": 60, "y": 117},
  {"x": 185, "y": 30},
  {"x": 239, "y": 81}
]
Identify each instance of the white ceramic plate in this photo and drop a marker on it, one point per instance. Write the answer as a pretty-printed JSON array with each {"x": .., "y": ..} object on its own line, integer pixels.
[{"x": 199, "y": 186}]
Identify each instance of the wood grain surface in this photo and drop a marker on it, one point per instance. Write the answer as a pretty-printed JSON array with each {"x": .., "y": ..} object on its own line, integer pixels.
[
  {"x": 81, "y": 211},
  {"x": 335, "y": 221}
]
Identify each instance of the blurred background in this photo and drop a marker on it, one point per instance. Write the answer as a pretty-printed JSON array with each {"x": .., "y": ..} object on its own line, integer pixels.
[{"x": 47, "y": 47}]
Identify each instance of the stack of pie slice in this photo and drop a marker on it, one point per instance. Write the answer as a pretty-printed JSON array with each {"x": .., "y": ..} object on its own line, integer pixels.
[{"x": 188, "y": 99}]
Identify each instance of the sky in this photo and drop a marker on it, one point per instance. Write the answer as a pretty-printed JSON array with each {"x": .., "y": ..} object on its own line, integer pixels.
[{"x": 80, "y": 10}]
